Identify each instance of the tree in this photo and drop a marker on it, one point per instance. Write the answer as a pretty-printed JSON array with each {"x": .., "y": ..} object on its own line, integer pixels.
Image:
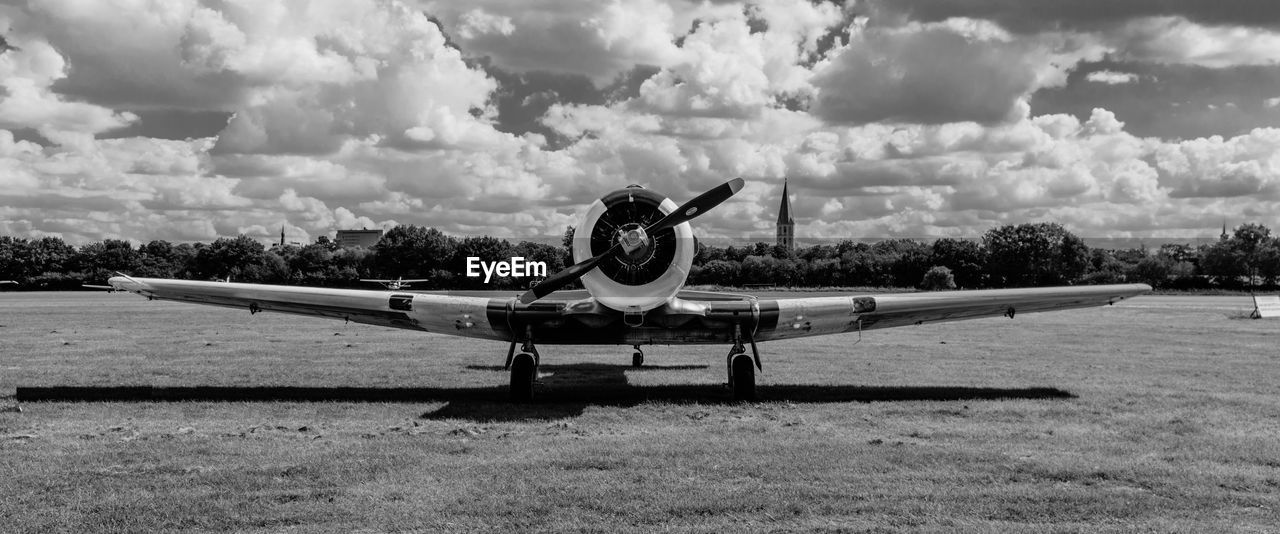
[
  {"x": 553, "y": 256},
  {"x": 1034, "y": 255},
  {"x": 22, "y": 259},
  {"x": 719, "y": 272},
  {"x": 237, "y": 257},
  {"x": 14, "y": 258},
  {"x": 1152, "y": 270},
  {"x": 413, "y": 252},
  {"x": 937, "y": 279},
  {"x": 158, "y": 260},
  {"x": 487, "y": 249},
  {"x": 99, "y": 260},
  {"x": 329, "y": 244},
  {"x": 965, "y": 259},
  {"x": 903, "y": 262},
  {"x": 708, "y": 254},
  {"x": 1250, "y": 253},
  {"x": 1104, "y": 268},
  {"x": 567, "y": 240}
]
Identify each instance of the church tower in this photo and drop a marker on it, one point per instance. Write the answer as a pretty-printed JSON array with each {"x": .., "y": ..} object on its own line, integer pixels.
[{"x": 786, "y": 225}]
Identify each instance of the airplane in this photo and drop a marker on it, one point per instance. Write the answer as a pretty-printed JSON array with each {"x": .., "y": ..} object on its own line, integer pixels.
[
  {"x": 398, "y": 283},
  {"x": 633, "y": 249}
]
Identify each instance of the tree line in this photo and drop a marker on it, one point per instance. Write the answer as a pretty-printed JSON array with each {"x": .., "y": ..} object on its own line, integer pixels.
[{"x": 1024, "y": 255}]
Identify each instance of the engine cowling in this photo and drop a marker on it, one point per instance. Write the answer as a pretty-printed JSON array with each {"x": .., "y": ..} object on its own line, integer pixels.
[{"x": 647, "y": 269}]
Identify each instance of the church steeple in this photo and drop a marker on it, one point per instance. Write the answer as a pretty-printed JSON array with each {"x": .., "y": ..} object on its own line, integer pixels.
[{"x": 786, "y": 224}]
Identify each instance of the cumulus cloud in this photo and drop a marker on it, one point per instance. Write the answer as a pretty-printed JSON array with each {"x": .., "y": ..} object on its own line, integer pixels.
[
  {"x": 956, "y": 70},
  {"x": 600, "y": 40},
  {"x": 1033, "y": 16},
  {"x": 28, "y": 70},
  {"x": 377, "y": 112},
  {"x": 390, "y": 78},
  {"x": 126, "y": 54},
  {"x": 1245, "y": 165},
  {"x": 727, "y": 67},
  {"x": 1173, "y": 39}
]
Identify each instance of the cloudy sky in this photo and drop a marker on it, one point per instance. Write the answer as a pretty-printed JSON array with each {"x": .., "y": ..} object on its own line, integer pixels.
[{"x": 188, "y": 120}]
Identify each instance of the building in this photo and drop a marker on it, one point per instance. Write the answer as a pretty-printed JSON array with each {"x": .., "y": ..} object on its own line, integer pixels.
[
  {"x": 358, "y": 238},
  {"x": 786, "y": 225}
]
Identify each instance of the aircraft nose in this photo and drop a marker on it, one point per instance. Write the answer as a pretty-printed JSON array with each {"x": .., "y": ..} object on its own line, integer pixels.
[{"x": 122, "y": 283}]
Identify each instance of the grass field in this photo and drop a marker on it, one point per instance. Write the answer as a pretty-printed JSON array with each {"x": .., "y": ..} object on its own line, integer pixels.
[{"x": 1161, "y": 414}]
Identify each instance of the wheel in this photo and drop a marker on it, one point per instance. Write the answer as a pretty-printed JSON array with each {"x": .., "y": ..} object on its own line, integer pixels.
[
  {"x": 637, "y": 359},
  {"x": 743, "y": 378},
  {"x": 524, "y": 369}
]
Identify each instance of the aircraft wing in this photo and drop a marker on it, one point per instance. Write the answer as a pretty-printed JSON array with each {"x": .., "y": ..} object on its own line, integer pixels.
[
  {"x": 813, "y": 316},
  {"x": 445, "y": 314}
]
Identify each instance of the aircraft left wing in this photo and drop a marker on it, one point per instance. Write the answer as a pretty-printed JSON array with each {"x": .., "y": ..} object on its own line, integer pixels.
[
  {"x": 813, "y": 316},
  {"x": 445, "y": 314}
]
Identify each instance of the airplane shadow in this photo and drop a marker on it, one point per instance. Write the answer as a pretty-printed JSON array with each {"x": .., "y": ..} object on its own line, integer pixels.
[{"x": 563, "y": 391}]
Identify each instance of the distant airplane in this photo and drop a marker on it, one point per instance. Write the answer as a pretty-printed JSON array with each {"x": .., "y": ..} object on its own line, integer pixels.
[
  {"x": 398, "y": 283},
  {"x": 633, "y": 250}
]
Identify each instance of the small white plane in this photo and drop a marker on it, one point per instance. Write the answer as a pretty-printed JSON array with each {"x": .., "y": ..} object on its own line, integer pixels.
[
  {"x": 398, "y": 283},
  {"x": 633, "y": 250}
]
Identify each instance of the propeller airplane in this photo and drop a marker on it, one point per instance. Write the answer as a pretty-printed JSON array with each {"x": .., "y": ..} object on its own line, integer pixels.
[
  {"x": 398, "y": 283},
  {"x": 633, "y": 252}
]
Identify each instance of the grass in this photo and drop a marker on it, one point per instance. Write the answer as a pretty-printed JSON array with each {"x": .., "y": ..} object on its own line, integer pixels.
[{"x": 1150, "y": 416}]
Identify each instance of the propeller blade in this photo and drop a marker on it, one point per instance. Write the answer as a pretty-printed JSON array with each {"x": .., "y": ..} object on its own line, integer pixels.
[
  {"x": 564, "y": 277},
  {"x": 699, "y": 205}
]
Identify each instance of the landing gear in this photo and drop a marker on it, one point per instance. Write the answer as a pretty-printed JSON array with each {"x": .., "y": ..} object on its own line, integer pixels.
[
  {"x": 742, "y": 368},
  {"x": 637, "y": 358},
  {"x": 742, "y": 377},
  {"x": 524, "y": 368}
]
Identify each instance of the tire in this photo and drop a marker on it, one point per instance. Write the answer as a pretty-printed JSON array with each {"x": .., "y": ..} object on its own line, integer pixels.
[
  {"x": 744, "y": 378},
  {"x": 524, "y": 369}
]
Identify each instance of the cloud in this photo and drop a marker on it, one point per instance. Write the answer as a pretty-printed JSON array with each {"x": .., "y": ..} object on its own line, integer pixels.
[
  {"x": 1246, "y": 165},
  {"x": 956, "y": 70},
  {"x": 391, "y": 78},
  {"x": 509, "y": 119},
  {"x": 742, "y": 62},
  {"x": 1179, "y": 40},
  {"x": 28, "y": 71},
  {"x": 1110, "y": 77},
  {"x": 126, "y": 54},
  {"x": 600, "y": 40},
  {"x": 1034, "y": 16},
  {"x": 1171, "y": 101}
]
